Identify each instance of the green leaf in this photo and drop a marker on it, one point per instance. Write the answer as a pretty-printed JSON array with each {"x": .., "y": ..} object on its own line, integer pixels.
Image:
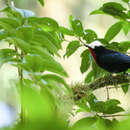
[
  {"x": 89, "y": 35},
  {"x": 85, "y": 63},
  {"x": 46, "y": 23},
  {"x": 42, "y": 52},
  {"x": 52, "y": 38},
  {"x": 56, "y": 78},
  {"x": 57, "y": 38},
  {"x": 82, "y": 106},
  {"x": 126, "y": 27},
  {"x": 115, "y": 5},
  {"x": 24, "y": 12},
  {"x": 113, "y": 31},
  {"x": 103, "y": 123},
  {"x": 92, "y": 100},
  {"x": 21, "y": 44},
  {"x": 36, "y": 63},
  {"x": 125, "y": 45},
  {"x": 125, "y": 88},
  {"x": 3, "y": 35},
  {"x": 47, "y": 41},
  {"x": 12, "y": 13},
  {"x": 84, "y": 123},
  {"x": 39, "y": 106},
  {"x": 25, "y": 33},
  {"x": 98, "y": 11},
  {"x": 66, "y": 31},
  {"x": 9, "y": 23},
  {"x": 115, "y": 46},
  {"x": 95, "y": 105},
  {"x": 128, "y": 14},
  {"x": 76, "y": 26},
  {"x": 108, "y": 107},
  {"x": 126, "y": 1},
  {"x": 41, "y": 2},
  {"x": 71, "y": 48},
  {"x": 112, "y": 102},
  {"x": 111, "y": 107},
  {"x": 89, "y": 77},
  {"x": 115, "y": 9},
  {"x": 6, "y": 55}
]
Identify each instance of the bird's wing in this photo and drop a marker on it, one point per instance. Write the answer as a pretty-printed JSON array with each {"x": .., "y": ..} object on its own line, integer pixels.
[{"x": 115, "y": 58}]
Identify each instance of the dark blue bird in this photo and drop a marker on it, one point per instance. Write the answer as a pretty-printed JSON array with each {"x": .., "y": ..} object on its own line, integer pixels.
[{"x": 109, "y": 60}]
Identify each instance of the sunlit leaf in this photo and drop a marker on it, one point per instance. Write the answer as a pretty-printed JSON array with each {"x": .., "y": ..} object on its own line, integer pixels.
[
  {"x": 89, "y": 35},
  {"x": 46, "y": 23},
  {"x": 35, "y": 63},
  {"x": 125, "y": 88},
  {"x": 6, "y": 55},
  {"x": 72, "y": 47},
  {"x": 56, "y": 78},
  {"x": 41, "y": 2},
  {"x": 89, "y": 77},
  {"x": 98, "y": 11},
  {"x": 126, "y": 1},
  {"x": 84, "y": 123},
  {"x": 3, "y": 35},
  {"x": 125, "y": 45},
  {"x": 126, "y": 27},
  {"x": 66, "y": 31},
  {"x": 85, "y": 63},
  {"x": 9, "y": 23},
  {"x": 76, "y": 26},
  {"x": 113, "y": 31}
]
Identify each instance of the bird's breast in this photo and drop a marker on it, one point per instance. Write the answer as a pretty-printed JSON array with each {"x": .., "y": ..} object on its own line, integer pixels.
[{"x": 93, "y": 54}]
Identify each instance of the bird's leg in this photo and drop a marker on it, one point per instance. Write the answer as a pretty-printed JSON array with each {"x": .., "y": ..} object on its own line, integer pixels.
[
  {"x": 108, "y": 96},
  {"x": 112, "y": 80},
  {"x": 107, "y": 89}
]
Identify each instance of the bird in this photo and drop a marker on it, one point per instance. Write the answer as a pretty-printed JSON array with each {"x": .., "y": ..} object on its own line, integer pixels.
[{"x": 109, "y": 60}]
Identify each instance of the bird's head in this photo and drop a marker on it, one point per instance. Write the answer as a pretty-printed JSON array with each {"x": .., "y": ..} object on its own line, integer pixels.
[
  {"x": 94, "y": 45},
  {"x": 95, "y": 48}
]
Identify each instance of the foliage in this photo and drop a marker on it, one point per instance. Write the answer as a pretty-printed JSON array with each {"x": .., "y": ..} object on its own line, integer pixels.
[{"x": 35, "y": 41}]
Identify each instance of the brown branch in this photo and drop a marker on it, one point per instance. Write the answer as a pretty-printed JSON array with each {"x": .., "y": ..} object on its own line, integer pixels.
[{"x": 80, "y": 90}]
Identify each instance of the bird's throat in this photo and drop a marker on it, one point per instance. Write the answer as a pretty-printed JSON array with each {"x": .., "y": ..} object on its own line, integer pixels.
[{"x": 93, "y": 54}]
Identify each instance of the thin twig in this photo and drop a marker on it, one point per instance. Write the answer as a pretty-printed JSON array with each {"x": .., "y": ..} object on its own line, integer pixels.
[
  {"x": 66, "y": 40},
  {"x": 108, "y": 96},
  {"x": 83, "y": 43},
  {"x": 114, "y": 115}
]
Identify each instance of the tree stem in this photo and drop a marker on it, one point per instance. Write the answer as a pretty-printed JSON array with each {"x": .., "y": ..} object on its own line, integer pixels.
[{"x": 20, "y": 75}]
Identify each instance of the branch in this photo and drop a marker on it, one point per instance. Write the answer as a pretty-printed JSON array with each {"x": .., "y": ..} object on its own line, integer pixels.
[
  {"x": 80, "y": 90},
  {"x": 115, "y": 115}
]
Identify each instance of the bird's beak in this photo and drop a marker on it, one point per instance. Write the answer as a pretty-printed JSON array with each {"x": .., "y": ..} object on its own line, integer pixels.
[{"x": 87, "y": 45}]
